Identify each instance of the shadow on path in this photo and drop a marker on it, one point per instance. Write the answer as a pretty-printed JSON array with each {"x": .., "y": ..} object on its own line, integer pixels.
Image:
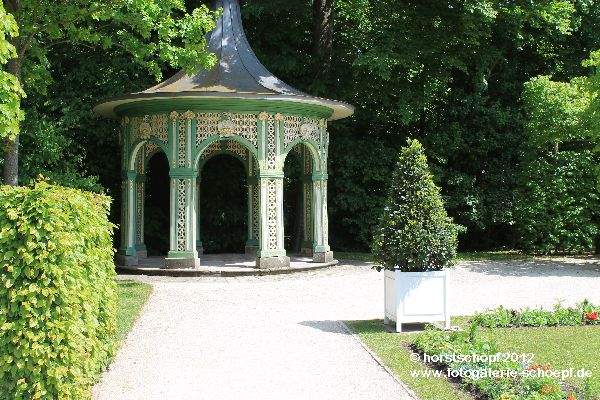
[
  {"x": 326, "y": 326},
  {"x": 535, "y": 267}
]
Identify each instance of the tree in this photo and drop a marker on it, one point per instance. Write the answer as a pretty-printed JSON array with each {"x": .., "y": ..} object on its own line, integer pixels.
[
  {"x": 151, "y": 31},
  {"x": 592, "y": 115},
  {"x": 10, "y": 89},
  {"x": 557, "y": 207},
  {"x": 448, "y": 73},
  {"x": 414, "y": 232},
  {"x": 61, "y": 137},
  {"x": 323, "y": 20}
]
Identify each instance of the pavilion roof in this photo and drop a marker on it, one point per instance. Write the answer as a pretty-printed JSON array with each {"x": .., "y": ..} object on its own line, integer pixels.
[{"x": 237, "y": 73}]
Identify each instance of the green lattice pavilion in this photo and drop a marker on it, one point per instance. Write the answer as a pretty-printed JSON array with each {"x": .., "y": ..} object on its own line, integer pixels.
[{"x": 238, "y": 108}]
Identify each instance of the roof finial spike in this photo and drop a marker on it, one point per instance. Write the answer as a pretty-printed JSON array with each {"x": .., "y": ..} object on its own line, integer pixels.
[{"x": 237, "y": 69}]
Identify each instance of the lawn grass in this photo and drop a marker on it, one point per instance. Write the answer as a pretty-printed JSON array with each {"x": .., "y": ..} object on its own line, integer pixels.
[
  {"x": 132, "y": 297},
  {"x": 559, "y": 347},
  {"x": 463, "y": 256},
  {"x": 492, "y": 255}
]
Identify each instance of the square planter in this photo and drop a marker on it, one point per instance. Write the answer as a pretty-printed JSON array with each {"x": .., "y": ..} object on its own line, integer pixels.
[{"x": 416, "y": 297}]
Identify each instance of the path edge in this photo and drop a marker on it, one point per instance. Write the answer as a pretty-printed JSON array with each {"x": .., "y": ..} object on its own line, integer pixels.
[{"x": 379, "y": 361}]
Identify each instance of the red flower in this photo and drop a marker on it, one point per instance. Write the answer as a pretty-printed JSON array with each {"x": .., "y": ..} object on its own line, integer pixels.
[
  {"x": 571, "y": 397},
  {"x": 592, "y": 316},
  {"x": 536, "y": 367},
  {"x": 548, "y": 389}
]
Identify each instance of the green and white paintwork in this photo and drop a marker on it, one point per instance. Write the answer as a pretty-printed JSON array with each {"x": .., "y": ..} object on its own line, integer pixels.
[{"x": 260, "y": 134}]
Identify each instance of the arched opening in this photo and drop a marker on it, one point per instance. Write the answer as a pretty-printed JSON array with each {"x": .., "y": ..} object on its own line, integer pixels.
[
  {"x": 297, "y": 188},
  {"x": 223, "y": 205},
  {"x": 156, "y": 210}
]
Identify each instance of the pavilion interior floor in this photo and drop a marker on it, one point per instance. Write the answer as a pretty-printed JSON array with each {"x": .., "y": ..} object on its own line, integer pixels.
[{"x": 221, "y": 264}]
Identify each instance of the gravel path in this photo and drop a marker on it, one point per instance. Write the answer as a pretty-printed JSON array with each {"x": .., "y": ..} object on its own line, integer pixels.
[
  {"x": 477, "y": 285},
  {"x": 278, "y": 337}
]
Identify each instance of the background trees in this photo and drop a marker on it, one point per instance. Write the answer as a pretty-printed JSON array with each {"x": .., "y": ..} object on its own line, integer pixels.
[
  {"x": 150, "y": 32},
  {"x": 451, "y": 74},
  {"x": 558, "y": 203}
]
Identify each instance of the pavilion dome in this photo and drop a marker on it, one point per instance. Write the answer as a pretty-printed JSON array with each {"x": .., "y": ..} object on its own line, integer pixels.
[{"x": 237, "y": 74}]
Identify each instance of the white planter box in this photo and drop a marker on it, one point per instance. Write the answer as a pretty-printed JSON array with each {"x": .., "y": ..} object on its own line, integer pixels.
[{"x": 416, "y": 297}]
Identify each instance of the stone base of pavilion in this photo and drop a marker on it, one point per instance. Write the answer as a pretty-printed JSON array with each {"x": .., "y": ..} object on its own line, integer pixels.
[{"x": 225, "y": 265}]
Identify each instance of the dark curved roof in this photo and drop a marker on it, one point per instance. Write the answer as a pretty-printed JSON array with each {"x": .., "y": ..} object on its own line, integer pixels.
[
  {"x": 237, "y": 69},
  {"x": 237, "y": 73}
]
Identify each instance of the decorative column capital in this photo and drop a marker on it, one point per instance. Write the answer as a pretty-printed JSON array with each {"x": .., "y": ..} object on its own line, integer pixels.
[
  {"x": 174, "y": 115},
  {"x": 188, "y": 115},
  {"x": 131, "y": 175},
  {"x": 319, "y": 176},
  {"x": 145, "y": 130},
  {"x": 182, "y": 173},
  {"x": 263, "y": 116},
  {"x": 270, "y": 174}
]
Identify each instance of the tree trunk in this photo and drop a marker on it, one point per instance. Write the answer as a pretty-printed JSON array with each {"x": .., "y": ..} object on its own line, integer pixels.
[
  {"x": 422, "y": 120},
  {"x": 597, "y": 252},
  {"x": 11, "y": 157},
  {"x": 322, "y": 37},
  {"x": 11, "y": 162}
]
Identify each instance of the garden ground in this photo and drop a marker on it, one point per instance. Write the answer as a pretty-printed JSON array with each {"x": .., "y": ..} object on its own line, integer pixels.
[
  {"x": 560, "y": 348},
  {"x": 280, "y": 336}
]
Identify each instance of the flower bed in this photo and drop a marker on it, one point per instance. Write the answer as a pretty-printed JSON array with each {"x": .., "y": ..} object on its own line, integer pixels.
[
  {"x": 486, "y": 372},
  {"x": 585, "y": 313}
]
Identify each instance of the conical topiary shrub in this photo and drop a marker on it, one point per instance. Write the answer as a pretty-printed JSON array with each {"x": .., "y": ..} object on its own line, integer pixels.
[{"x": 414, "y": 234}]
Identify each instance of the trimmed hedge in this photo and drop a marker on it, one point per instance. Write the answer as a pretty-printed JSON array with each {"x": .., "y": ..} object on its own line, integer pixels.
[
  {"x": 414, "y": 233},
  {"x": 57, "y": 292}
]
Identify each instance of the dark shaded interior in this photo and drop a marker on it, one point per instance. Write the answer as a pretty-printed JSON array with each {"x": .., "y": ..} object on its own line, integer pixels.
[
  {"x": 156, "y": 218},
  {"x": 223, "y": 205},
  {"x": 292, "y": 203}
]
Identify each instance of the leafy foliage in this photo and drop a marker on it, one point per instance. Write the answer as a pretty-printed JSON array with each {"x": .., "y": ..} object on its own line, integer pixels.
[
  {"x": 150, "y": 31},
  {"x": 10, "y": 88},
  {"x": 450, "y": 74},
  {"x": 414, "y": 232},
  {"x": 472, "y": 358},
  {"x": 557, "y": 204},
  {"x": 61, "y": 138},
  {"x": 591, "y": 116},
  {"x": 585, "y": 313},
  {"x": 57, "y": 293},
  {"x": 555, "y": 110}
]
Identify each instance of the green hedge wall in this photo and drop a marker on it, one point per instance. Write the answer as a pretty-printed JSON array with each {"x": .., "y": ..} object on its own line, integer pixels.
[{"x": 57, "y": 292}]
